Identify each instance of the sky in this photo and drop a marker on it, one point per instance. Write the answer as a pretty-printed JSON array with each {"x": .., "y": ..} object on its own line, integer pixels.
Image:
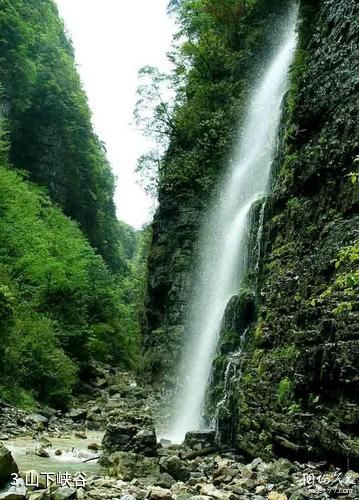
[{"x": 113, "y": 39}]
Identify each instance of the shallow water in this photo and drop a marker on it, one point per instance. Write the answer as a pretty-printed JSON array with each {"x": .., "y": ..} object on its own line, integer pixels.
[{"x": 74, "y": 452}]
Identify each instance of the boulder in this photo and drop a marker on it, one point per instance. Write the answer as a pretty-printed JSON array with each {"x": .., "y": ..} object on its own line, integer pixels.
[
  {"x": 274, "y": 495},
  {"x": 231, "y": 472},
  {"x": 36, "y": 418},
  {"x": 16, "y": 492},
  {"x": 146, "y": 441},
  {"x": 80, "y": 435},
  {"x": 38, "y": 495},
  {"x": 101, "y": 383},
  {"x": 64, "y": 493},
  {"x": 42, "y": 453},
  {"x": 128, "y": 466},
  {"x": 76, "y": 415},
  {"x": 131, "y": 433},
  {"x": 199, "y": 440},
  {"x": 157, "y": 493},
  {"x": 7, "y": 465},
  {"x": 164, "y": 480},
  {"x": 211, "y": 491},
  {"x": 94, "y": 446},
  {"x": 175, "y": 467},
  {"x": 114, "y": 404},
  {"x": 220, "y": 480},
  {"x": 280, "y": 470},
  {"x": 81, "y": 494}
]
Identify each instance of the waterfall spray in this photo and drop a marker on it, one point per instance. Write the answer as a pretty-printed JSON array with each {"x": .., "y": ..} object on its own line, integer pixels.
[{"x": 222, "y": 261}]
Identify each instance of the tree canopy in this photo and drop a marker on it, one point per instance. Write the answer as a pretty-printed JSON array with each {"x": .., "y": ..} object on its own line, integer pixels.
[
  {"x": 71, "y": 274},
  {"x": 49, "y": 121},
  {"x": 218, "y": 48}
]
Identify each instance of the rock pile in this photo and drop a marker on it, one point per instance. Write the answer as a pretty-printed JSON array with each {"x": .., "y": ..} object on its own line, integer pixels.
[
  {"x": 136, "y": 467},
  {"x": 220, "y": 478},
  {"x": 109, "y": 397}
]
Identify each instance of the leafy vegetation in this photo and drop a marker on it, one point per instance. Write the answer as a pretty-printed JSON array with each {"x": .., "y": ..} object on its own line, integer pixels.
[
  {"x": 284, "y": 391},
  {"x": 193, "y": 112},
  {"x": 71, "y": 275},
  {"x": 49, "y": 121},
  {"x": 354, "y": 175},
  {"x": 59, "y": 304},
  {"x": 347, "y": 279}
]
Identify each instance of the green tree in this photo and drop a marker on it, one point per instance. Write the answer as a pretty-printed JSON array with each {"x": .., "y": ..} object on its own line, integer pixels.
[{"x": 49, "y": 121}]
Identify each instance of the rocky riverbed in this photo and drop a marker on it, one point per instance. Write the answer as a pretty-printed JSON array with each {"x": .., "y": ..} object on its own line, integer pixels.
[{"x": 107, "y": 448}]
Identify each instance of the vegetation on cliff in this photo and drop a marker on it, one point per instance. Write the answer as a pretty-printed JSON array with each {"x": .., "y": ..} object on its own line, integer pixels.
[
  {"x": 71, "y": 275},
  {"x": 49, "y": 122},
  {"x": 304, "y": 345},
  {"x": 296, "y": 392},
  {"x": 217, "y": 50},
  {"x": 60, "y": 306}
]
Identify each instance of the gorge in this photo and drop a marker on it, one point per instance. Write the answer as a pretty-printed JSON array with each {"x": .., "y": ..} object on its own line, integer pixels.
[
  {"x": 297, "y": 391},
  {"x": 215, "y": 352}
]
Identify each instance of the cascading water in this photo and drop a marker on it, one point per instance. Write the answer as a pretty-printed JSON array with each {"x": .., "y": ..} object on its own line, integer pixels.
[
  {"x": 222, "y": 262},
  {"x": 233, "y": 373}
]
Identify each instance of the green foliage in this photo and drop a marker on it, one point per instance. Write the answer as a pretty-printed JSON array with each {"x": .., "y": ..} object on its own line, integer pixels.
[
  {"x": 16, "y": 395},
  {"x": 59, "y": 304},
  {"x": 347, "y": 279},
  {"x": 219, "y": 46},
  {"x": 347, "y": 267},
  {"x": 6, "y": 303},
  {"x": 354, "y": 176},
  {"x": 49, "y": 121},
  {"x": 284, "y": 392},
  {"x": 35, "y": 361},
  {"x": 346, "y": 283},
  {"x": 64, "y": 299},
  {"x": 297, "y": 70}
]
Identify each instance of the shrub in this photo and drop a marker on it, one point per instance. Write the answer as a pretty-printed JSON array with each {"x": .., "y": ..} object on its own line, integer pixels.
[{"x": 35, "y": 361}]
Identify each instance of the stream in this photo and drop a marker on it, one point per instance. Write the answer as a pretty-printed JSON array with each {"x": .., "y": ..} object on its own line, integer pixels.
[{"x": 74, "y": 452}]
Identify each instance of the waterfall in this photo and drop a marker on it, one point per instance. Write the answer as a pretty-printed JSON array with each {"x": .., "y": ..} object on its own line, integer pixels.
[
  {"x": 232, "y": 374},
  {"x": 222, "y": 260}
]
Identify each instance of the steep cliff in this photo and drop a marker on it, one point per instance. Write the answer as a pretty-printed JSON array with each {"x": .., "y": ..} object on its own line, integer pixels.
[
  {"x": 296, "y": 392},
  {"x": 221, "y": 51},
  {"x": 63, "y": 301}
]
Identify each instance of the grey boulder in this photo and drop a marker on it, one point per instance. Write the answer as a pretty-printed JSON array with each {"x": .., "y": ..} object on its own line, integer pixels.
[
  {"x": 16, "y": 492},
  {"x": 7, "y": 465}
]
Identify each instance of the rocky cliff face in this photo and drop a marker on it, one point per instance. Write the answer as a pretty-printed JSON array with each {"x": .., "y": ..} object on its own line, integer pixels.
[
  {"x": 232, "y": 40},
  {"x": 294, "y": 388},
  {"x": 170, "y": 262},
  {"x": 297, "y": 391}
]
